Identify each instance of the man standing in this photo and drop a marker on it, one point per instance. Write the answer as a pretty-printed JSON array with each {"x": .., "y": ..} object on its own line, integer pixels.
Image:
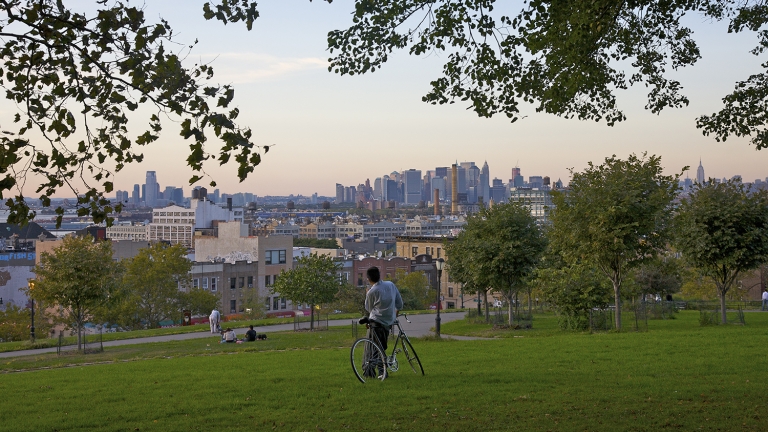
[
  {"x": 214, "y": 319},
  {"x": 382, "y": 302},
  {"x": 765, "y": 300}
]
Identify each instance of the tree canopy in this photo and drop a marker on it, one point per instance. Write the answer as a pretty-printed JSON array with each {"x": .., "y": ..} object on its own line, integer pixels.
[
  {"x": 312, "y": 281},
  {"x": 77, "y": 276},
  {"x": 151, "y": 286},
  {"x": 614, "y": 216},
  {"x": 722, "y": 230},
  {"x": 498, "y": 249},
  {"x": 567, "y": 58},
  {"x": 77, "y": 76}
]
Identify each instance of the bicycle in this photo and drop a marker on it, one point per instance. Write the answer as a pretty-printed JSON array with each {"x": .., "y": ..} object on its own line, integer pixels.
[{"x": 370, "y": 362}]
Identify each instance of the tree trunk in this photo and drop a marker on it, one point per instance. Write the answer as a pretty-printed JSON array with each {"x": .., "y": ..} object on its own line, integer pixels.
[
  {"x": 617, "y": 304},
  {"x": 479, "y": 311},
  {"x": 311, "y": 317},
  {"x": 79, "y": 337},
  {"x": 530, "y": 304},
  {"x": 723, "y": 319},
  {"x": 509, "y": 304},
  {"x": 487, "y": 313}
]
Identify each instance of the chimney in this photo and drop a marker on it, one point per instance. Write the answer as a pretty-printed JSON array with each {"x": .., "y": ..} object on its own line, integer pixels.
[
  {"x": 454, "y": 189},
  {"x": 436, "y": 201}
]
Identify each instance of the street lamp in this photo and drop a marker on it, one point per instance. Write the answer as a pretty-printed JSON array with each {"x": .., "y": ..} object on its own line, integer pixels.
[
  {"x": 440, "y": 263},
  {"x": 32, "y": 299}
]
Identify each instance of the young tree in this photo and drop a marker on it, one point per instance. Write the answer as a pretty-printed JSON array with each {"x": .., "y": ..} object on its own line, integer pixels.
[
  {"x": 349, "y": 299},
  {"x": 198, "y": 301},
  {"x": 660, "y": 276},
  {"x": 76, "y": 73},
  {"x": 722, "y": 230},
  {"x": 614, "y": 216},
  {"x": 567, "y": 57},
  {"x": 499, "y": 248},
  {"x": 152, "y": 280},
  {"x": 574, "y": 291},
  {"x": 77, "y": 276},
  {"x": 312, "y": 281},
  {"x": 414, "y": 289}
]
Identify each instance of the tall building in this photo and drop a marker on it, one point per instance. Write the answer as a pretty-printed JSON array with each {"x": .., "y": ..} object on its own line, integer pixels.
[
  {"x": 413, "y": 184},
  {"x": 454, "y": 190},
  {"x": 151, "y": 189},
  {"x": 485, "y": 183},
  {"x": 700, "y": 174},
  {"x": 377, "y": 188},
  {"x": 339, "y": 193},
  {"x": 136, "y": 195}
]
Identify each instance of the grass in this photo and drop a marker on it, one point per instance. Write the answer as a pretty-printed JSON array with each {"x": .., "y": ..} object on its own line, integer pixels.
[{"x": 675, "y": 376}]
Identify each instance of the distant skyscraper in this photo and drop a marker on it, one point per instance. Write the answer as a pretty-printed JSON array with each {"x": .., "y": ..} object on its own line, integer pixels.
[
  {"x": 485, "y": 183},
  {"x": 339, "y": 193},
  {"x": 700, "y": 174},
  {"x": 413, "y": 184},
  {"x": 377, "y": 188},
  {"x": 136, "y": 194},
  {"x": 152, "y": 187}
]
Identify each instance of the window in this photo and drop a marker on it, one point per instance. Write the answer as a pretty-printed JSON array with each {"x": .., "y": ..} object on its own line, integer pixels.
[
  {"x": 283, "y": 303},
  {"x": 232, "y": 306},
  {"x": 250, "y": 281},
  {"x": 274, "y": 257},
  {"x": 428, "y": 250},
  {"x": 241, "y": 282},
  {"x": 451, "y": 305},
  {"x": 450, "y": 291},
  {"x": 359, "y": 279},
  {"x": 195, "y": 283},
  {"x": 267, "y": 303},
  {"x": 438, "y": 252},
  {"x": 275, "y": 303},
  {"x": 213, "y": 284},
  {"x": 205, "y": 283},
  {"x": 232, "y": 282},
  {"x": 267, "y": 280},
  {"x": 414, "y": 250}
]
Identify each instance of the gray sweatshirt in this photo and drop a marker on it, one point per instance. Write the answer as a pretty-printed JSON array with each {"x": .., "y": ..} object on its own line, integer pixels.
[{"x": 382, "y": 302}]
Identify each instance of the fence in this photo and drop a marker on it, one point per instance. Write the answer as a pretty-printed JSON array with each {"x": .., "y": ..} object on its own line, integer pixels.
[
  {"x": 304, "y": 323},
  {"x": 89, "y": 343},
  {"x": 500, "y": 317}
]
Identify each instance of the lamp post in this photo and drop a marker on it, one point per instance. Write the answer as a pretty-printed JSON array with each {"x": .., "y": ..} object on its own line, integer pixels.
[
  {"x": 440, "y": 263},
  {"x": 32, "y": 315}
]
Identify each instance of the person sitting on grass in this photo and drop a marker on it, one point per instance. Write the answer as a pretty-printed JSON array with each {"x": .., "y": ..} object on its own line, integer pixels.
[
  {"x": 250, "y": 335},
  {"x": 229, "y": 336}
]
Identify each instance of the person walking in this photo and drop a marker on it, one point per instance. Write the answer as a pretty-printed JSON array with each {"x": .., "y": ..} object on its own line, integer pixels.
[
  {"x": 214, "y": 319},
  {"x": 765, "y": 300}
]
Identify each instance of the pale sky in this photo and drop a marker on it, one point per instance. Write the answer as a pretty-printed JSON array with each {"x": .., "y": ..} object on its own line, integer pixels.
[{"x": 327, "y": 129}]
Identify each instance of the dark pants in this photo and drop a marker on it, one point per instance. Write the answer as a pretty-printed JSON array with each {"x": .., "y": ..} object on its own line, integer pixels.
[{"x": 379, "y": 334}]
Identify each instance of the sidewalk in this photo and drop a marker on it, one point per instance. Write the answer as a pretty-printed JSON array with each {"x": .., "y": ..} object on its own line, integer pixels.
[{"x": 420, "y": 325}]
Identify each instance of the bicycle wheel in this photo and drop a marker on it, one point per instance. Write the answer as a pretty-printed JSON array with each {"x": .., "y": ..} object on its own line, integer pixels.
[
  {"x": 410, "y": 354},
  {"x": 368, "y": 360}
]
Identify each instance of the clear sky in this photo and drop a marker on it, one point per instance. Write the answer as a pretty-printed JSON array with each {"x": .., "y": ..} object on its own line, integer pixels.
[{"x": 327, "y": 129}]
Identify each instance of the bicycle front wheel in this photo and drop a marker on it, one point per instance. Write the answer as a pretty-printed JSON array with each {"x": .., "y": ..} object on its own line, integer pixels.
[
  {"x": 368, "y": 360},
  {"x": 413, "y": 358}
]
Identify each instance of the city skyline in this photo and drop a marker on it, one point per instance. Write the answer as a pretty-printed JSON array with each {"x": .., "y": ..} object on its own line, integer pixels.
[
  {"x": 324, "y": 129},
  {"x": 692, "y": 173}
]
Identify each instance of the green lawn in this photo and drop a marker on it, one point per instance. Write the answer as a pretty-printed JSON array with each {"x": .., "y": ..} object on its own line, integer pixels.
[{"x": 676, "y": 376}]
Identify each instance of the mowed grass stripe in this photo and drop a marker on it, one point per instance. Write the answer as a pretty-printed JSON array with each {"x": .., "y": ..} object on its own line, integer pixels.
[{"x": 666, "y": 379}]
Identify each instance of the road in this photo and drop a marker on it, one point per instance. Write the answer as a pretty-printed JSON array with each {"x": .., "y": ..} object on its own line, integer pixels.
[{"x": 420, "y": 325}]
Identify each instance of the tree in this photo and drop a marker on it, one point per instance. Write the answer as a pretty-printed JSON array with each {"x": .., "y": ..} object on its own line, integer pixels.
[
  {"x": 198, "y": 301},
  {"x": 316, "y": 243},
  {"x": 76, "y": 78},
  {"x": 349, "y": 299},
  {"x": 414, "y": 289},
  {"x": 660, "y": 276},
  {"x": 722, "y": 230},
  {"x": 499, "y": 248},
  {"x": 574, "y": 291},
  {"x": 566, "y": 57},
  {"x": 152, "y": 281},
  {"x": 614, "y": 216},
  {"x": 77, "y": 276},
  {"x": 312, "y": 281},
  {"x": 15, "y": 323}
]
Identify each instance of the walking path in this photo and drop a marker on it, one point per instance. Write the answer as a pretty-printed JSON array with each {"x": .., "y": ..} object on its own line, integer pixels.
[{"x": 420, "y": 325}]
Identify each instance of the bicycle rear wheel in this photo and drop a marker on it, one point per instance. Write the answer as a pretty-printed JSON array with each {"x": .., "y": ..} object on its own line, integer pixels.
[
  {"x": 410, "y": 354},
  {"x": 368, "y": 360}
]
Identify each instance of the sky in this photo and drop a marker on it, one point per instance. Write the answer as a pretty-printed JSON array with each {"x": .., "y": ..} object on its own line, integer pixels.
[{"x": 325, "y": 129}]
